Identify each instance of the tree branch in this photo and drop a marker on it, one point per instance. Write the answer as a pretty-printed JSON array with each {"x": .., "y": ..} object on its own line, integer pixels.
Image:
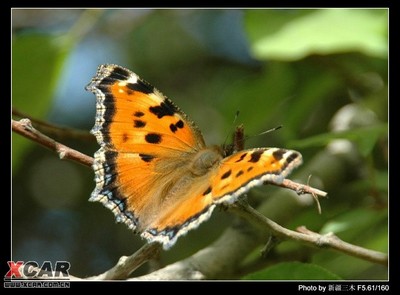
[
  {"x": 330, "y": 240},
  {"x": 55, "y": 130},
  {"x": 24, "y": 127},
  {"x": 228, "y": 250},
  {"x": 128, "y": 264},
  {"x": 306, "y": 236},
  {"x": 220, "y": 260}
]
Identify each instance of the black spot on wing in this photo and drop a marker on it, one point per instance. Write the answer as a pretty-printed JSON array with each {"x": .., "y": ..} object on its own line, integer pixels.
[
  {"x": 141, "y": 86},
  {"x": 179, "y": 124},
  {"x": 226, "y": 174},
  {"x": 278, "y": 154},
  {"x": 241, "y": 158},
  {"x": 146, "y": 158},
  {"x": 138, "y": 114},
  {"x": 173, "y": 128},
  {"x": 153, "y": 138},
  {"x": 166, "y": 108},
  {"x": 292, "y": 157},
  {"x": 239, "y": 173},
  {"x": 207, "y": 191},
  {"x": 176, "y": 126},
  {"x": 255, "y": 156},
  {"x": 139, "y": 123},
  {"x": 125, "y": 137}
]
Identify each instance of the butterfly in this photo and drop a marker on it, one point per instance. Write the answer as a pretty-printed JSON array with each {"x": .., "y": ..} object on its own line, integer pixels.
[{"x": 153, "y": 169}]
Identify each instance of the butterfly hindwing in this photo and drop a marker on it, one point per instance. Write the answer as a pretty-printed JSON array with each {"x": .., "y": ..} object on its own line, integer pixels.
[
  {"x": 234, "y": 176},
  {"x": 246, "y": 169}
]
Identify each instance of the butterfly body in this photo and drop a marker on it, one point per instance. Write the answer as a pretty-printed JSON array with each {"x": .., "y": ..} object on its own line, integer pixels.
[{"x": 153, "y": 169}]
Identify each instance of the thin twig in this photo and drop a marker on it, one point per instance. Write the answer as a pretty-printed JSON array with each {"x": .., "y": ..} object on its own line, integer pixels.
[
  {"x": 273, "y": 241},
  {"x": 300, "y": 189},
  {"x": 332, "y": 241},
  {"x": 24, "y": 127},
  {"x": 307, "y": 237},
  {"x": 55, "y": 130},
  {"x": 127, "y": 264}
]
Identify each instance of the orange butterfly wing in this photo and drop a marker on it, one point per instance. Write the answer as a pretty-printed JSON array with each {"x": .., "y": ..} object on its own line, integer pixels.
[
  {"x": 153, "y": 170},
  {"x": 137, "y": 128},
  {"x": 234, "y": 176}
]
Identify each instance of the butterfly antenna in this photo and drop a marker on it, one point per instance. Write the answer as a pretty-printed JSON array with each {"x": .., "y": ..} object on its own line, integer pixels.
[
  {"x": 264, "y": 132},
  {"x": 230, "y": 148},
  {"x": 270, "y": 130},
  {"x": 232, "y": 127}
]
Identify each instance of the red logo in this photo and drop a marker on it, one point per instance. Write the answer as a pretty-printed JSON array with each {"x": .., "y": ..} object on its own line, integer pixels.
[
  {"x": 14, "y": 269},
  {"x": 32, "y": 270}
]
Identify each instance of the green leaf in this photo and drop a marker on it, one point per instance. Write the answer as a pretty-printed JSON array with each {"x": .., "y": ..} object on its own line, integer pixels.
[
  {"x": 294, "y": 34},
  {"x": 295, "y": 271},
  {"x": 356, "y": 220},
  {"x": 37, "y": 60},
  {"x": 365, "y": 138},
  {"x": 265, "y": 93}
]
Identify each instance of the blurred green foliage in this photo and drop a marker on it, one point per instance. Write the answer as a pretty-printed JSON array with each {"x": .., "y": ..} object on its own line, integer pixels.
[
  {"x": 322, "y": 74},
  {"x": 323, "y": 31},
  {"x": 37, "y": 61},
  {"x": 293, "y": 271}
]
